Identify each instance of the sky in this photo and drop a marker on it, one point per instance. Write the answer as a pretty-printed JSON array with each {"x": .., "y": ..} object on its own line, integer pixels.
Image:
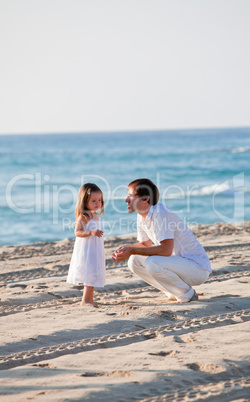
[{"x": 118, "y": 65}]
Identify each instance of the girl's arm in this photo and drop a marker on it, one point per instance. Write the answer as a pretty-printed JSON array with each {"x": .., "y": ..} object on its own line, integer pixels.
[{"x": 80, "y": 232}]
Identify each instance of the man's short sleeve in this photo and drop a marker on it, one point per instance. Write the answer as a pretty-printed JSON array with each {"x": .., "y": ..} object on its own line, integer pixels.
[
  {"x": 141, "y": 234},
  {"x": 164, "y": 225}
]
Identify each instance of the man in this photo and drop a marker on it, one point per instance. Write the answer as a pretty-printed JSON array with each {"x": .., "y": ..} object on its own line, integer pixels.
[{"x": 176, "y": 261}]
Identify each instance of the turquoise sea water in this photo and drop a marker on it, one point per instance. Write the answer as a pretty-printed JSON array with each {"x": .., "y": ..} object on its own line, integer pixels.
[{"x": 203, "y": 175}]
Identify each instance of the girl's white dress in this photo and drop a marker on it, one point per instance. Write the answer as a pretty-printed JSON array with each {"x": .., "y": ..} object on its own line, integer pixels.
[{"x": 88, "y": 259}]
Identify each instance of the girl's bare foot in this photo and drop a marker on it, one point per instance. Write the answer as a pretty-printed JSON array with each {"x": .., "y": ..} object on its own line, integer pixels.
[
  {"x": 87, "y": 298},
  {"x": 92, "y": 303}
]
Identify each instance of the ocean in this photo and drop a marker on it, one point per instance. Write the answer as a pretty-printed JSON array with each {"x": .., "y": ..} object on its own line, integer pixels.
[{"x": 203, "y": 175}]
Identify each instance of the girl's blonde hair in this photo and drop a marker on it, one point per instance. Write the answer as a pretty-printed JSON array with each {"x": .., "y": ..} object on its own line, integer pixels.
[{"x": 83, "y": 198}]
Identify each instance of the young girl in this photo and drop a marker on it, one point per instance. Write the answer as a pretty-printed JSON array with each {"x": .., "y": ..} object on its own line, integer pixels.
[{"x": 88, "y": 259}]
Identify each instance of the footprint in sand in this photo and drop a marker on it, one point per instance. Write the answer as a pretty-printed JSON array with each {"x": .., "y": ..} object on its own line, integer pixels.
[
  {"x": 188, "y": 338},
  {"x": 161, "y": 353},
  {"x": 111, "y": 374},
  {"x": 18, "y": 285},
  {"x": 44, "y": 365},
  {"x": 167, "y": 314},
  {"x": 207, "y": 368},
  {"x": 172, "y": 353}
]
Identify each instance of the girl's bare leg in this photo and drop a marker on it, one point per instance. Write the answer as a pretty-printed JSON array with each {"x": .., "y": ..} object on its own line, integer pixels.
[{"x": 88, "y": 294}]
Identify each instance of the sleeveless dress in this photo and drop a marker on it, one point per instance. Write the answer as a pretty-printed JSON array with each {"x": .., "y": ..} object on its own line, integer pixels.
[{"x": 88, "y": 259}]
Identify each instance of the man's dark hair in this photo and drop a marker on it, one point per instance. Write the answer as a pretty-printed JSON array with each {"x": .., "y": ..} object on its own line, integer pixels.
[{"x": 145, "y": 188}]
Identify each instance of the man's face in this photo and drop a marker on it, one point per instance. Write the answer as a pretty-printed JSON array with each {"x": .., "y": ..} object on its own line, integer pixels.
[
  {"x": 134, "y": 202},
  {"x": 131, "y": 200}
]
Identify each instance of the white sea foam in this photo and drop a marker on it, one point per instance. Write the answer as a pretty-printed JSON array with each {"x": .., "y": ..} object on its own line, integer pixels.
[
  {"x": 195, "y": 191},
  {"x": 203, "y": 191},
  {"x": 207, "y": 190},
  {"x": 240, "y": 150}
]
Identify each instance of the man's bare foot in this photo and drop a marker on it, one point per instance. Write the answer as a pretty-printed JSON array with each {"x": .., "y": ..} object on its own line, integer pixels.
[
  {"x": 92, "y": 303},
  {"x": 195, "y": 297},
  {"x": 171, "y": 299}
]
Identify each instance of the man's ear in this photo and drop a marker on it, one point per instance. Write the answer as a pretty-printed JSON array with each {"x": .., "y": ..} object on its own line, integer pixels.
[{"x": 146, "y": 200}]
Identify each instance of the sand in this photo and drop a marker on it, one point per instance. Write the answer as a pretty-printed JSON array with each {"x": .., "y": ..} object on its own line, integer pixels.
[{"x": 135, "y": 346}]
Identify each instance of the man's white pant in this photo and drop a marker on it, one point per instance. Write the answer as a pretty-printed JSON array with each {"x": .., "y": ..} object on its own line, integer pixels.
[{"x": 173, "y": 275}]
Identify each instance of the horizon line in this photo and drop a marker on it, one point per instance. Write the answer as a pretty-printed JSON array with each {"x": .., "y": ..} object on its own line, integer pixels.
[{"x": 127, "y": 131}]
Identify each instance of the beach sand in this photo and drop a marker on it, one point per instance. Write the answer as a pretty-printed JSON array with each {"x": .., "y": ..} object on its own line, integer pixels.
[{"x": 135, "y": 346}]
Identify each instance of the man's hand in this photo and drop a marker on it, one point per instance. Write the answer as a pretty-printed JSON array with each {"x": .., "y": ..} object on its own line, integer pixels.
[
  {"x": 165, "y": 249},
  {"x": 123, "y": 253}
]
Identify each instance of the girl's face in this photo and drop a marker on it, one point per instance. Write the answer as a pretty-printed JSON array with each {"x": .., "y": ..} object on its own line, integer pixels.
[{"x": 95, "y": 201}]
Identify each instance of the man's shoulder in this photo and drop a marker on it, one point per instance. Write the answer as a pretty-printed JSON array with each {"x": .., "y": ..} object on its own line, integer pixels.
[
  {"x": 161, "y": 208},
  {"x": 161, "y": 212}
]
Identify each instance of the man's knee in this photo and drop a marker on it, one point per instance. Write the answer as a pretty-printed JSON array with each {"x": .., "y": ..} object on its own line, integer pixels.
[
  {"x": 154, "y": 267},
  {"x": 151, "y": 265},
  {"x": 131, "y": 263}
]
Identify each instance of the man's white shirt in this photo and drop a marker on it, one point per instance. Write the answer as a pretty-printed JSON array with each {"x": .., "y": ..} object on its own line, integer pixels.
[{"x": 161, "y": 224}]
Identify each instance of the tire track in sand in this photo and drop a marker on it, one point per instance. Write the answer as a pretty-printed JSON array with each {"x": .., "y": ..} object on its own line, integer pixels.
[
  {"x": 237, "y": 387},
  {"x": 7, "y": 310},
  {"x": 62, "y": 269},
  {"x": 14, "y": 309},
  {"x": 113, "y": 340},
  {"x": 36, "y": 273}
]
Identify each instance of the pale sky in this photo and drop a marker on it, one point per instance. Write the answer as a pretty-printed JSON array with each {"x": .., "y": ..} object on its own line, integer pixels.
[{"x": 115, "y": 65}]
